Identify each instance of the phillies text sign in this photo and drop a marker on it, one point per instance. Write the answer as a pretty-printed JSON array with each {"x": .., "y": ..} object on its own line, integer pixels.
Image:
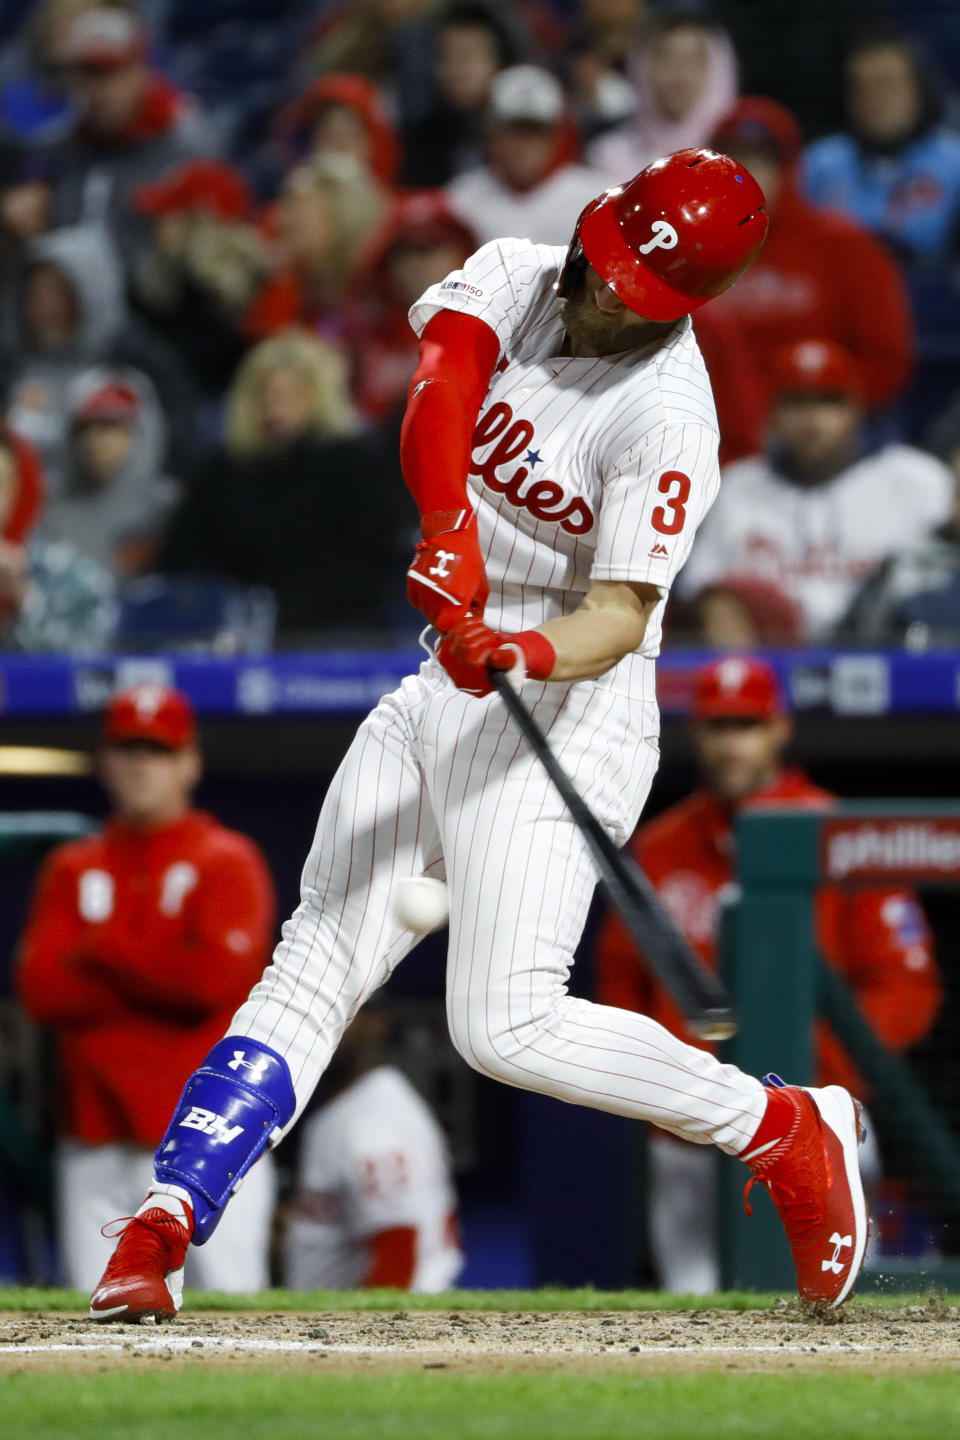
[{"x": 910, "y": 848}]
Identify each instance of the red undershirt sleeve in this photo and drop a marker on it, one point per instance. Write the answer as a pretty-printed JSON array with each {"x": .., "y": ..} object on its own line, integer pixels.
[
  {"x": 458, "y": 354},
  {"x": 393, "y": 1259}
]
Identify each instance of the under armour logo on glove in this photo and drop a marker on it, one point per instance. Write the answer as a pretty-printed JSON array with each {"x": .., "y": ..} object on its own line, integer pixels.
[
  {"x": 664, "y": 237},
  {"x": 838, "y": 1242},
  {"x": 442, "y": 567},
  {"x": 447, "y": 577}
]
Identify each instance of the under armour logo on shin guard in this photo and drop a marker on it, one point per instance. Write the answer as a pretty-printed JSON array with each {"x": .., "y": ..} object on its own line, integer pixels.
[{"x": 258, "y": 1068}]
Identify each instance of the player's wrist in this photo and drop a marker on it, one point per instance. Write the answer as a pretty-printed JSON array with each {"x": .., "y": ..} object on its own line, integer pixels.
[
  {"x": 447, "y": 522},
  {"x": 539, "y": 655}
]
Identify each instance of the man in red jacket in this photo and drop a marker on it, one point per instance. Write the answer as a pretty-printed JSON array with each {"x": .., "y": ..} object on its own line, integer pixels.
[
  {"x": 141, "y": 942},
  {"x": 819, "y": 274},
  {"x": 877, "y": 938}
]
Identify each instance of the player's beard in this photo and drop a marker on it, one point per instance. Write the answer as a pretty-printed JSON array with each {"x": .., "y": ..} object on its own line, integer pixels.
[{"x": 596, "y": 332}]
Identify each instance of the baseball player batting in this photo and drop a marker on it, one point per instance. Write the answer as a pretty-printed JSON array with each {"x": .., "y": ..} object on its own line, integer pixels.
[{"x": 560, "y": 440}]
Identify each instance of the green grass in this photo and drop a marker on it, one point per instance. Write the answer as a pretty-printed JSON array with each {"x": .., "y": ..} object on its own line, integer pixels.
[
  {"x": 120, "y": 1400},
  {"x": 464, "y": 1300},
  {"x": 437, "y": 1405},
  {"x": 275, "y": 1301}
]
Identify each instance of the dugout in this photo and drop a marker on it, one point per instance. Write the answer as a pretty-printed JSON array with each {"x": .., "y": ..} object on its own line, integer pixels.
[
  {"x": 783, "y": 857},
  {"x": 551, "y": 1192}
]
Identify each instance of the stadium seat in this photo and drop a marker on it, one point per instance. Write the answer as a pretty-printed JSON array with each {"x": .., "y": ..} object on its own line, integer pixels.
[{"x": 195, "y": 613}]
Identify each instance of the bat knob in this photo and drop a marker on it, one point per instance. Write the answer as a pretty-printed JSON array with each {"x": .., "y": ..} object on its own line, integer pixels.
[
  {"x": 518, "y": 670},
  {"x": 717, "y": 1024}
]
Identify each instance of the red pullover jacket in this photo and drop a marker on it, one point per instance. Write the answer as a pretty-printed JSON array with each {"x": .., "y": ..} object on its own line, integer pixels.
[
  {"x": 137, "y": 950},
  {"x": 877, "y": 939}
]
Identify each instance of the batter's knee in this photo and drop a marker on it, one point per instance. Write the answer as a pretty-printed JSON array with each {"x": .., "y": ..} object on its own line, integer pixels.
[
  {"x": 497, "y": 1051},
  {"x": 477, "y": 1052}
]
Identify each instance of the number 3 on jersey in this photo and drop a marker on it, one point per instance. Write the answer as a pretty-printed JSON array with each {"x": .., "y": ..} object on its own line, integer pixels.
[{"x": 669, "y": 518}]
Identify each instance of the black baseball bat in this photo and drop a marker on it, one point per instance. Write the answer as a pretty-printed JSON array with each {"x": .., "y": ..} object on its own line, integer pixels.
[{"x": 698, "y": 992}]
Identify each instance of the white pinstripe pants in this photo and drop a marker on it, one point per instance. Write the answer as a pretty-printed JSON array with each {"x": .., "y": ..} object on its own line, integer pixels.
[{"x": 442, "y": 783}]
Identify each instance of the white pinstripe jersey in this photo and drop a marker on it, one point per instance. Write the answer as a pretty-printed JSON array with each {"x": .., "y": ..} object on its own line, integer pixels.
[{"x": 582, "y": 469}]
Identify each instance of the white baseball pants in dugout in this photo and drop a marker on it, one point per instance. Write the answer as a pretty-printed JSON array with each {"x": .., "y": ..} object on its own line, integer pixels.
[
  {"x": 439, "y": 782},
  {"x": 97, "y": 1184}
]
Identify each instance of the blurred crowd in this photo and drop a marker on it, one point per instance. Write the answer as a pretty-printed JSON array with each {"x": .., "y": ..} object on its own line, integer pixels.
[{"x": 214, "y": 218}]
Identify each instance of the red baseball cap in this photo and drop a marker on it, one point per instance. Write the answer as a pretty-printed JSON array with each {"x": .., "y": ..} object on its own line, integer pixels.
[
  {"x": 737, "y": 686},
  {"x": 424, "y": 218},
  {"x": 114, "y": 400},
  {"x": 815, "y": 367},
  {"x": 151, "y": 712},
  {"x": 207, "y": 185}
]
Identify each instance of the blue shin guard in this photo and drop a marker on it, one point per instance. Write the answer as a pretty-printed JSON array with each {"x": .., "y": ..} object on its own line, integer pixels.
[{"x": 224, "y": 1120}]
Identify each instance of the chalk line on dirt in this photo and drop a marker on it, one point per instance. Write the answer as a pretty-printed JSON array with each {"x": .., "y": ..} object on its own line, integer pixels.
[{"x": 184, "y": 1344}]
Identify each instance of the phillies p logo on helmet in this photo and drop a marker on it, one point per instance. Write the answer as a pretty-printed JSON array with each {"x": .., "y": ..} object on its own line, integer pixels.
[{"x": 664, "y": 237}]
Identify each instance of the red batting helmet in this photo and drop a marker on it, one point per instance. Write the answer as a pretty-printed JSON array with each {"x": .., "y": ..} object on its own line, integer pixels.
[{"x": 674, "y": 236}]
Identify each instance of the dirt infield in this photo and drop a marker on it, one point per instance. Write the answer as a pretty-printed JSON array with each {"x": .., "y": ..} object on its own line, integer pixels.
[{"x": 857, "y": 1338}]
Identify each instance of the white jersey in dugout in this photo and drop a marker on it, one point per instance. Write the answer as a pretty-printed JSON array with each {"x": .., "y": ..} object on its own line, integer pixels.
[
  {"x": 583, "y": 469},
  {"x": 372, "y": 1159}
]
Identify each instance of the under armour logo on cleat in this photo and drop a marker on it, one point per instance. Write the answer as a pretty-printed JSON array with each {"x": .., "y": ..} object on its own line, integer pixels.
[{"x": 838, "y": 1242}]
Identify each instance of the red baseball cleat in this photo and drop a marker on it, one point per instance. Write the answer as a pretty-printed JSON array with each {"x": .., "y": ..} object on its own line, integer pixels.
[
  {"x": 813, "y": 1177},
  {"x": 144, "y": 1276}
]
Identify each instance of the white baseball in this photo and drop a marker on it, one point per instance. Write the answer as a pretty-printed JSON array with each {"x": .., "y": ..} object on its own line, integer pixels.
[{"x": 421, "y": 904}]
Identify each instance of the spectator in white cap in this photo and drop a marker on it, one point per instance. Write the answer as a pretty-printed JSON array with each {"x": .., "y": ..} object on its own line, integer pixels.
[
  {"x": 131, "y": 124},
  {"x": 531, "y": 186}
]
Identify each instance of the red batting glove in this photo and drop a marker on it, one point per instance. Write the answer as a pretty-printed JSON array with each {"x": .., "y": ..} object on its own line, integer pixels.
[
  {"x": 472, "y": 650},
  {"x": 447, "y": 578}
]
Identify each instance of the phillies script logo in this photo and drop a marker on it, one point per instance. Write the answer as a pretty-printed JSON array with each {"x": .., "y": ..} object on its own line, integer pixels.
[
  {"x": 544, "y": 499},
  {"x": 911, "y": 847}
]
